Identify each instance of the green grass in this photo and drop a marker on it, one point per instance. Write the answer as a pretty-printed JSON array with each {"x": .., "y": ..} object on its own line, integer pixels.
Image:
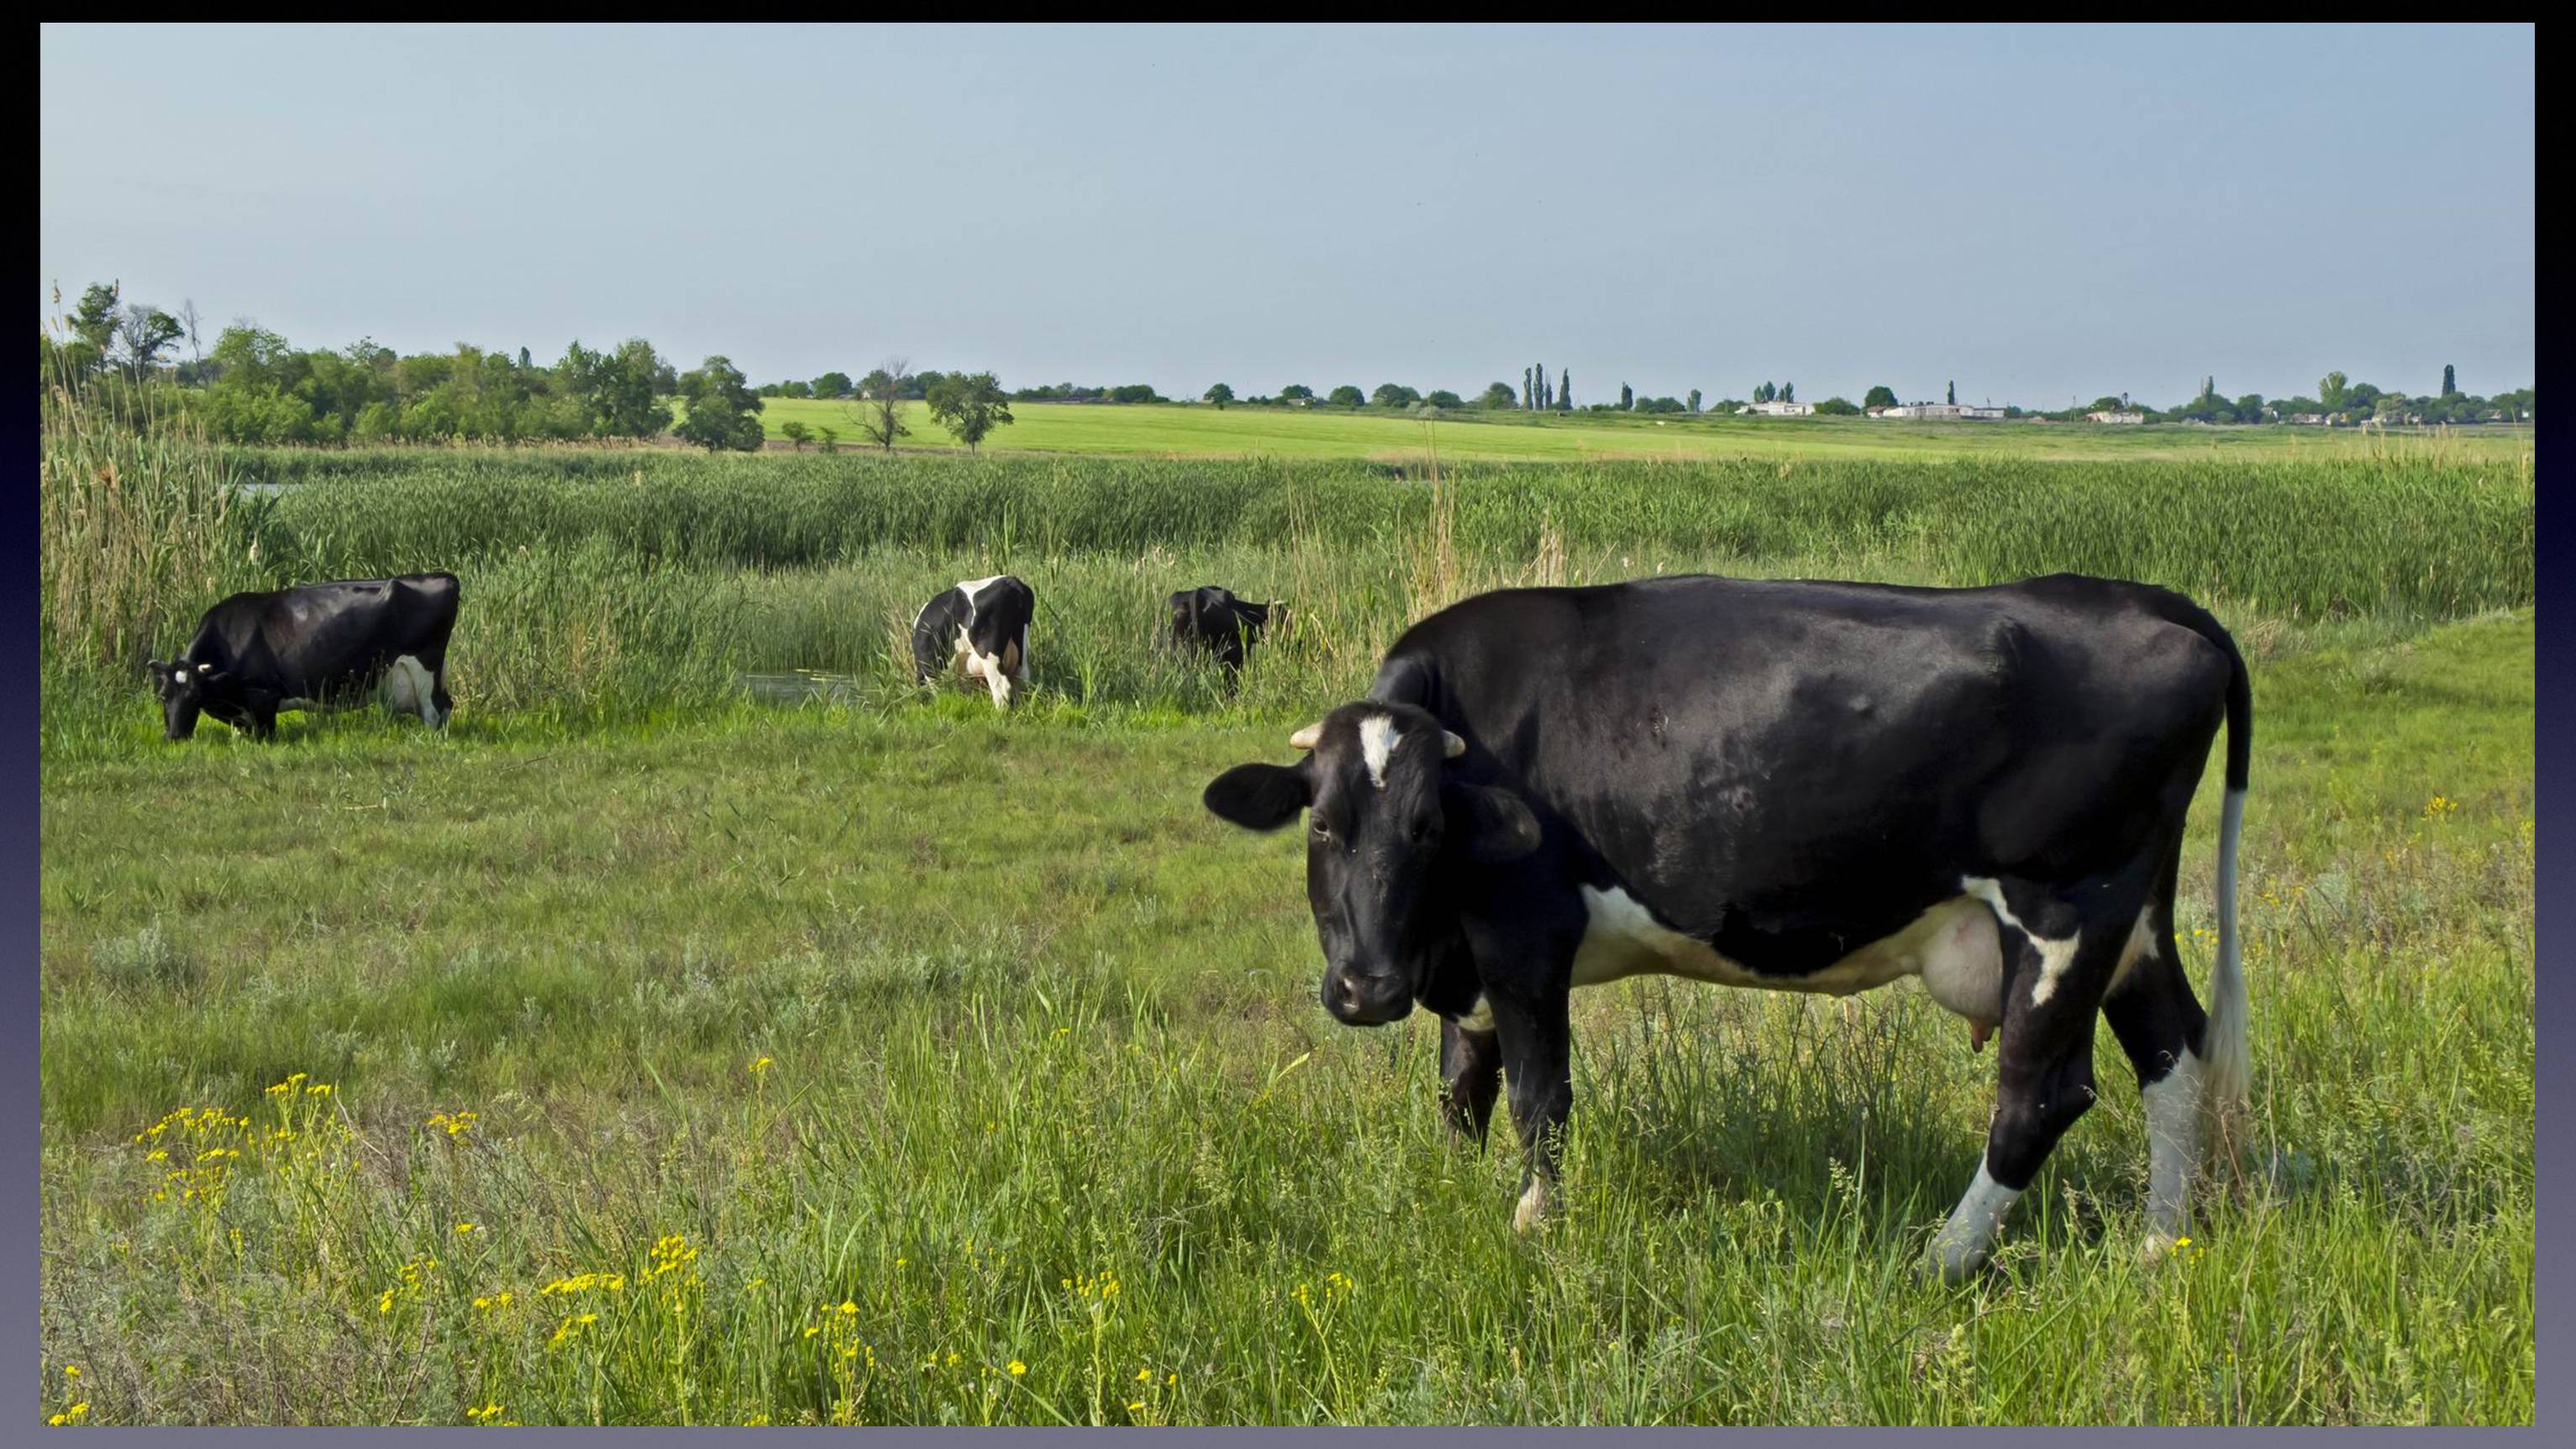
[
  {"x": 1198, "y": 431},
  {"x": 1032, "y": 1016},
  {"x": 1033, "y": 1022}
]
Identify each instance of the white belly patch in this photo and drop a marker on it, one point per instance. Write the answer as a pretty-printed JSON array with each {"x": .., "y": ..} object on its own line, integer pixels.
[{"x": 1952, "y": 946}]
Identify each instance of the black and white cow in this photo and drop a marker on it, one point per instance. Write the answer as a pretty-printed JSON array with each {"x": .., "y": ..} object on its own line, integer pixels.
[
  {"x": 312, "y": 647},
  {"x": 1213, "y": 619},
  {"x": 977, "y": 630},
  {"x": 1796, "y": 785}
]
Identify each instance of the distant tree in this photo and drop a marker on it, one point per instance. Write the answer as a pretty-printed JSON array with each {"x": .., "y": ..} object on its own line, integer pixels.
[
  {"x": 795, "y": 433},
  {"x": 1564, "y": 391},
  {"x": 1952, "y": 396},
  {"x": 188, "y": 318},
  {"x": 142, "y": 335},
  {"x": 1529, "y": 390},
  {"x": 2450, "y": 380},
  {"x": 524, "y": 364},
  {"x": 1135, "y": 392},
  {"x": 1393, "y": 395},
  {"x": 1347, "y": 396},
  {"x": 1546, "y": 394},
  {"x": 880, "y": 417},
  {"x": 1767, "y": 392},
  {"x": 1627, "y": 398},
  {"x": 1498, "y": 397},
  {"x": 1296, "y": 391},
  {"x": 830, "y": 439},
  {"x": 1693, "y": 400},
  {"x": 94, "y": 320},
  {"x": 1220, "y": 395},
  {"x": 1788, "y": 392},
  {"x": 832, "y": 384},
  {"x": 2333, "y": 391},
  {"x": 1444, "y": 398},
  {"x": 1881, "y": 396},
  {"x": 970, "y": 406},
  {"x": 724, "y": 414},
  {"x": 1837, "y": 407},
  {"x": 920, "y": 383}
]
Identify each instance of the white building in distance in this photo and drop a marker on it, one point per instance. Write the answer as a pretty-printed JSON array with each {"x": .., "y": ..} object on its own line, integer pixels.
[
  {"x": 1781, "y": 409},
  {"x": 2115, "y": 417},
  {"x": 1940, "y": 412}
]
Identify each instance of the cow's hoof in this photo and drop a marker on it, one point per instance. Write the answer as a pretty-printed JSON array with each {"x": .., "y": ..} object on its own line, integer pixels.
[{"x": 1533, "y": 1206}]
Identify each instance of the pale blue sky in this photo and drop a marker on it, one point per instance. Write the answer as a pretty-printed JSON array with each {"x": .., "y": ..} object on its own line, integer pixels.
[{"x": 2037, "y": 213}]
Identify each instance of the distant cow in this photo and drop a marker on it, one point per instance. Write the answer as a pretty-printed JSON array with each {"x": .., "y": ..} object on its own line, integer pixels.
[
  {"x": 977, "y": 630},
  {"x": 1215, "y": 620},
  {"x": 1799, "y": 786},
  {"x": 313, "y": 647}
]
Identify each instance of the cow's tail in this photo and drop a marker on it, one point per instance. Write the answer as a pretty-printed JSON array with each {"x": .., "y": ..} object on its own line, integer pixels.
[{"x": 2227, "y": 1066}]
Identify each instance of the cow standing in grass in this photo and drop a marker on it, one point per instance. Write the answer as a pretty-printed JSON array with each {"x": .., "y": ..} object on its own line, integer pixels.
[
  {"x": 1793, "y": 785},
  {"x": 977, "y": 630},
  {"x": 1213, "y": 619},
  {"x": 313, "y": 647}
]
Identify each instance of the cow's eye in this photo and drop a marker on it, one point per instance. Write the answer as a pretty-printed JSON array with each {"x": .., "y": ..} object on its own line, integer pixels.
[
  {"x": 1322, "y": 831},
  {"x": 1423, "y": 828}
]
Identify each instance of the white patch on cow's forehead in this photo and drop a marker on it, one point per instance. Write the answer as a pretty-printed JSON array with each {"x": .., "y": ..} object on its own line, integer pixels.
[
  {"x": 178, "y": 676},
  {"x": 1378, "y": 739}
]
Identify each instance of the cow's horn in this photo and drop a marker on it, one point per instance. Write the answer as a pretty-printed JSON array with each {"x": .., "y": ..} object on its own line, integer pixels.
[
  {"x": 205, "y": 669},
  {"x": 1305, "y": 739},
  {"x": 1451, "y": 747}
]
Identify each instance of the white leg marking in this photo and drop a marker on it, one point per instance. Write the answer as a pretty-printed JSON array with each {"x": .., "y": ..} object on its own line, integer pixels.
[
  {"x": 2173, "y": 1147},
  {"x": 1378, "y": 739},
  {"x": 1966, "y": 1239},
  {"x": 2054, "y": 956},
  {"x": 1533, "y": 1205},
  {"x": 996, "y": 679}
]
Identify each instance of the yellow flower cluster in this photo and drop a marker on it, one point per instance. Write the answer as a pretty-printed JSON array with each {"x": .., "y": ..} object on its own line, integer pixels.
[
  {"x": 584, "y": 1282},
  {"x": 671, "y": 1254},
  {"x": 2439, "y": 806},
  {"x": 415, "y": 1281},
  {"x": 1101, "y": 1288},
  {"x": 456, "y": 1123}
]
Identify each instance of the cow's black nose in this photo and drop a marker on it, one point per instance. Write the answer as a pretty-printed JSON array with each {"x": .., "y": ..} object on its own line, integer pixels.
[{"x": 1345, "y": 997}]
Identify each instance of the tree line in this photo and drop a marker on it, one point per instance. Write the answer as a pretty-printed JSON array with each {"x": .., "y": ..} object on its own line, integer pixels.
[{"x": 252, "y": 386}]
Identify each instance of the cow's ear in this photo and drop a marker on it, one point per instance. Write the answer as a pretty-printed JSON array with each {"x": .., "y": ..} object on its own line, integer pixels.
[
  {"x": 1261, "y": 797},
  {"x": 1492, "y": 824}
]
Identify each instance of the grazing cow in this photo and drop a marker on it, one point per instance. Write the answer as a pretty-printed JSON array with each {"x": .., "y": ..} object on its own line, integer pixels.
[
  {"x": 310, "y": 648},
  {"x": 977, "y": 630},
  {"x": 1215, "y": 620},
  {"x": 1796, "y": 785}
]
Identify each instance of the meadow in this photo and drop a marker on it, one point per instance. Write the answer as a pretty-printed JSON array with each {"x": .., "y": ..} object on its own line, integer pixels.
[
  {"x": 636, "y": 1050},
  {"x": 1198, "y": 431}
]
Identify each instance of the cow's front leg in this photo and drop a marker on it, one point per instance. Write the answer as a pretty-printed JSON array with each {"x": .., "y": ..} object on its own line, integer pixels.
[
  {"x": 1537, "y": 1044},
  {"x": 1471, "y": 1071}
]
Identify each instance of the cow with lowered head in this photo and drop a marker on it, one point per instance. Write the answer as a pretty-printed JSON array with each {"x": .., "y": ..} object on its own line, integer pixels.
[
  {"x": 1214, "y": 620},
  {"x": 977, "y": 630},
  {"x": 313, "y": 647},
  {"x": 1795, "y": 786}
]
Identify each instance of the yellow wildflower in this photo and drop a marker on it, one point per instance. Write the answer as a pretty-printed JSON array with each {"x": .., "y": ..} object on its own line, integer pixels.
[{"x": 1018, "y": 1368}]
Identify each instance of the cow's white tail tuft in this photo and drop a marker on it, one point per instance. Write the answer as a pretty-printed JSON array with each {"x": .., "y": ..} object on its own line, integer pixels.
[{"x": 2227, "y": 1070}]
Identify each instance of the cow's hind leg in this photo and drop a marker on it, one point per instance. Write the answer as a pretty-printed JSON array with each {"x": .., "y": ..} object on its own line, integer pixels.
[
  {"x": 2159, "y": 1023},
  {"x": 1471, "y": 1074},
  {"x": 2061, "y": 952}
]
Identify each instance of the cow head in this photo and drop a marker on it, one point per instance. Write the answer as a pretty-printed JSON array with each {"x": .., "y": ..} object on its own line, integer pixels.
[
  {"x": 187, "y": 690},
  {"x": 1388, "y": 822}
]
